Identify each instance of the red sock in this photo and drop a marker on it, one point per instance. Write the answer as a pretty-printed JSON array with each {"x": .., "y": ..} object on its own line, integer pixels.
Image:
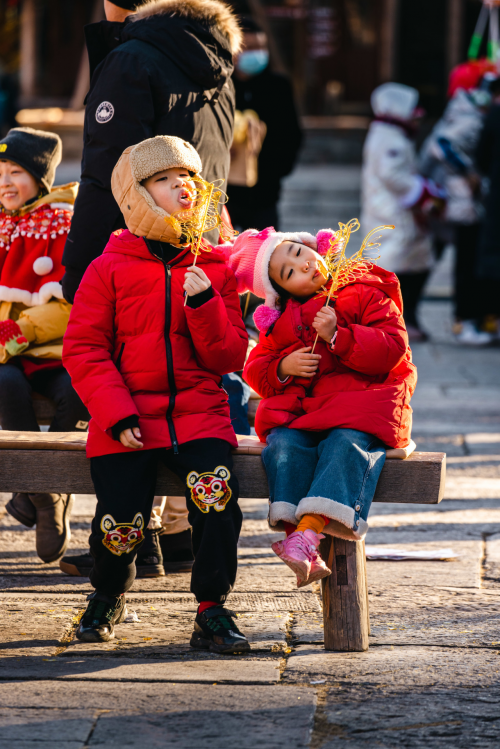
[
  {"x": 289, "y": 528},
  {"x": 206, "y": 605}
]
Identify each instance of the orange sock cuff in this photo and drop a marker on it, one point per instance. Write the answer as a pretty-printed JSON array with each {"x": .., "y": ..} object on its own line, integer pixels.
[{"x": 314, "y": 523}]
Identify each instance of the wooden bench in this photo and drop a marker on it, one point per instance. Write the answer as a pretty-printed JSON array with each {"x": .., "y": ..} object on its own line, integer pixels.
[{"x": 56, "y": 462}]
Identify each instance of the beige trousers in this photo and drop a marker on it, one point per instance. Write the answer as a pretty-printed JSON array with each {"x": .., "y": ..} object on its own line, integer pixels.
[{"x": 170, "y": 514}]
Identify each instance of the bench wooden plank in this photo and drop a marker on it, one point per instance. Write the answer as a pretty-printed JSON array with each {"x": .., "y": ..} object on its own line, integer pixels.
[
  {"x": 247, "y": 444},
  {"x": 418, "y": 479}
]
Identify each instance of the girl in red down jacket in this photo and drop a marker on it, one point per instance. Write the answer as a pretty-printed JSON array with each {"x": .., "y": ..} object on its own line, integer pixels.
[
  {"x": 149, "y": 370},
  {"x": 327, "y": 417}
]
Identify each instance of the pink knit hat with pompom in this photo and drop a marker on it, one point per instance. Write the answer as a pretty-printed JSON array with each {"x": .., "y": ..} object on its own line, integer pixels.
[{"x": 249, "y": 257}]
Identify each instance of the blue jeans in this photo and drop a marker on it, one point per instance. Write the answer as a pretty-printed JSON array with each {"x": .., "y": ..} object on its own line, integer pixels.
[
  {"x": 332, "y": 473},
  {"x": 238, "y": 394}
]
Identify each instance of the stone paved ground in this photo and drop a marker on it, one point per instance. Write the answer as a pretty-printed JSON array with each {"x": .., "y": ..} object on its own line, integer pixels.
[{"x": 431, "y": 677}]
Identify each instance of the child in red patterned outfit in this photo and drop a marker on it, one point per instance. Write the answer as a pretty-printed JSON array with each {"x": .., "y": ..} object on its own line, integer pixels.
[{"x": 34, "y": 223}]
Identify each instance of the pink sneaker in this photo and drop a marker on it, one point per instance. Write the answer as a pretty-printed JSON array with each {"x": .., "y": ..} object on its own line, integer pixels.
[
  {"x": 318, "y": 566},
  {"x": 297, "y": 552}
]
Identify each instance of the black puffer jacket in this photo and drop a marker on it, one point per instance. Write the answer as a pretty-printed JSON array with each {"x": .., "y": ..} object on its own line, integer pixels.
[
  {"x": 165, "y": 71},
  {"x": 271, "y": 96}
]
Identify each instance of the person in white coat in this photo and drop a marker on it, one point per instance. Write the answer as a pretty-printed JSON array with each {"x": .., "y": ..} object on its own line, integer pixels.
[
  {"x": 447, "y": 156},
  {"x": 394, "y": 193}
]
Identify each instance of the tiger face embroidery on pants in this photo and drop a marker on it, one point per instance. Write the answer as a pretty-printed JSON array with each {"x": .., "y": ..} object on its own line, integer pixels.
[
  {"x": 121, "y": 538},
  {"x": 210, "y": 489}
]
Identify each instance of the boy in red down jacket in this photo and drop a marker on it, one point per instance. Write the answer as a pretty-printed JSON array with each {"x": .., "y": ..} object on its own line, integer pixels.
[
  {"x": 327, "y": 416},
  {"x": 149, "y": 370}
]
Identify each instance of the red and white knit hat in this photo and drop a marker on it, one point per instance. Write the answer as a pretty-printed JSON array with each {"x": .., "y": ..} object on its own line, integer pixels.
[{"x": 249, "y": 257}]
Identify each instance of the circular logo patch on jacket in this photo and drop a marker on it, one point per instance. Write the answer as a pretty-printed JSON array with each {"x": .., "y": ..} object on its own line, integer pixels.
[{"x": 105, "y": 112}]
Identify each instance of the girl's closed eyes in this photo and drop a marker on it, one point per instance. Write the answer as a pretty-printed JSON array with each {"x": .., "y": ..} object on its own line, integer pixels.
[{"x": 297, "y": 269}]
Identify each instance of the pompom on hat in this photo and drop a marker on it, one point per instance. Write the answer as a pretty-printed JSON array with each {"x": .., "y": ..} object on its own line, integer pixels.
[{"x": 249, "y": 257}]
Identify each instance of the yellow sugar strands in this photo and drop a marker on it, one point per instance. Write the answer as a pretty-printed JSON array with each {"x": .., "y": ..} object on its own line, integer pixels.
[
  {"x": 343, "y": 270},
  {"x": 203, "y": 216}
]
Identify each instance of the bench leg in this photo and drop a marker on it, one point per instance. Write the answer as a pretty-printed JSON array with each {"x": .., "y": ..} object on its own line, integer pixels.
[
  {"x": 366, "y": 589},
  {"x": 345, "y": 595}
]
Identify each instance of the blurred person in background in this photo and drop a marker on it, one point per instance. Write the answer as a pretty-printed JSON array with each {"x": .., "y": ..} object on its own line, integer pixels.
[
  {"x": 488, "y": 251},
  {"x": 447, "y": 156},
  {"x": 158, "y": 67},
  {"x": 394, "y": 193},
  {"x": 270, "y": 96}
]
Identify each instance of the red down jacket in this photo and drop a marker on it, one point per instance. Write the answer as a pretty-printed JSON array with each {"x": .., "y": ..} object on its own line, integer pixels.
[
  {"x": 365, "y": 384},
  {"x": 131, "y": 347}
]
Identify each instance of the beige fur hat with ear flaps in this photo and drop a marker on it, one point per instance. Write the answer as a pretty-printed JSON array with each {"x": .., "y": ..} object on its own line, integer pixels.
[{"x": 143, "y": 217}]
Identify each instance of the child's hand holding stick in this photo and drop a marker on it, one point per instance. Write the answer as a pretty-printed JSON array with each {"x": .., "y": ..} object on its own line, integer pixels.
[
  {"x": 196, "y": 281},
  {"x": 198, "y": 242},
  {"x": 318, "y": 319},
  {"x": 325, "y": 324},
  {"x": 300, "y": 363}
]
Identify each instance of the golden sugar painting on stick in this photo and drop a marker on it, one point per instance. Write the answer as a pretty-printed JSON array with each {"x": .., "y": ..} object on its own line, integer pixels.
[
  {"x": 343, "y": 270},
  {"x": 202, "y": 217}
]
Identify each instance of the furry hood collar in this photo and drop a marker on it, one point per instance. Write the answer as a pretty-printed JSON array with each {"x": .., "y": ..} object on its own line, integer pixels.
[
  {"x": 199, "y": 37},
  {"x": 211, "y": 13}
]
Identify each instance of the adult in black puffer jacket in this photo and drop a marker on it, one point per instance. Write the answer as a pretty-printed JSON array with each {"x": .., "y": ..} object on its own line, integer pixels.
[{"x": 166, "y": 70}]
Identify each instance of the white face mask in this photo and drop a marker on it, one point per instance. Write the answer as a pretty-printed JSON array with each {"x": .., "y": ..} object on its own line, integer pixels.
[{"x": 253, "y": 62}]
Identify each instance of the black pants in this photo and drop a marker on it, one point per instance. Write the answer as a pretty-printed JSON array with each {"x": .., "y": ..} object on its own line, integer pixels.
[
  {"x": 468, "y": 301},
  {"x": 125, "y": 486},
  {"x": 411, "y": 290},
  {"x": 16, "y": 404},
  {"x": 474, "y": 297}
]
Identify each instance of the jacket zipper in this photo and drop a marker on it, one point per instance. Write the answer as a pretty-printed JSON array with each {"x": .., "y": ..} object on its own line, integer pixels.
[
  {"x": 170, "y": 359},
  {"x": 119, "y": 359},
  {"x": 168, "y": 349}
]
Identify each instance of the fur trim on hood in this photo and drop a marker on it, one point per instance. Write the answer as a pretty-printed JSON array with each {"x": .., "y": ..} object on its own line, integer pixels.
[
  {"x": 209, "y": 12},
  {"x": 143, "y": 217}
]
